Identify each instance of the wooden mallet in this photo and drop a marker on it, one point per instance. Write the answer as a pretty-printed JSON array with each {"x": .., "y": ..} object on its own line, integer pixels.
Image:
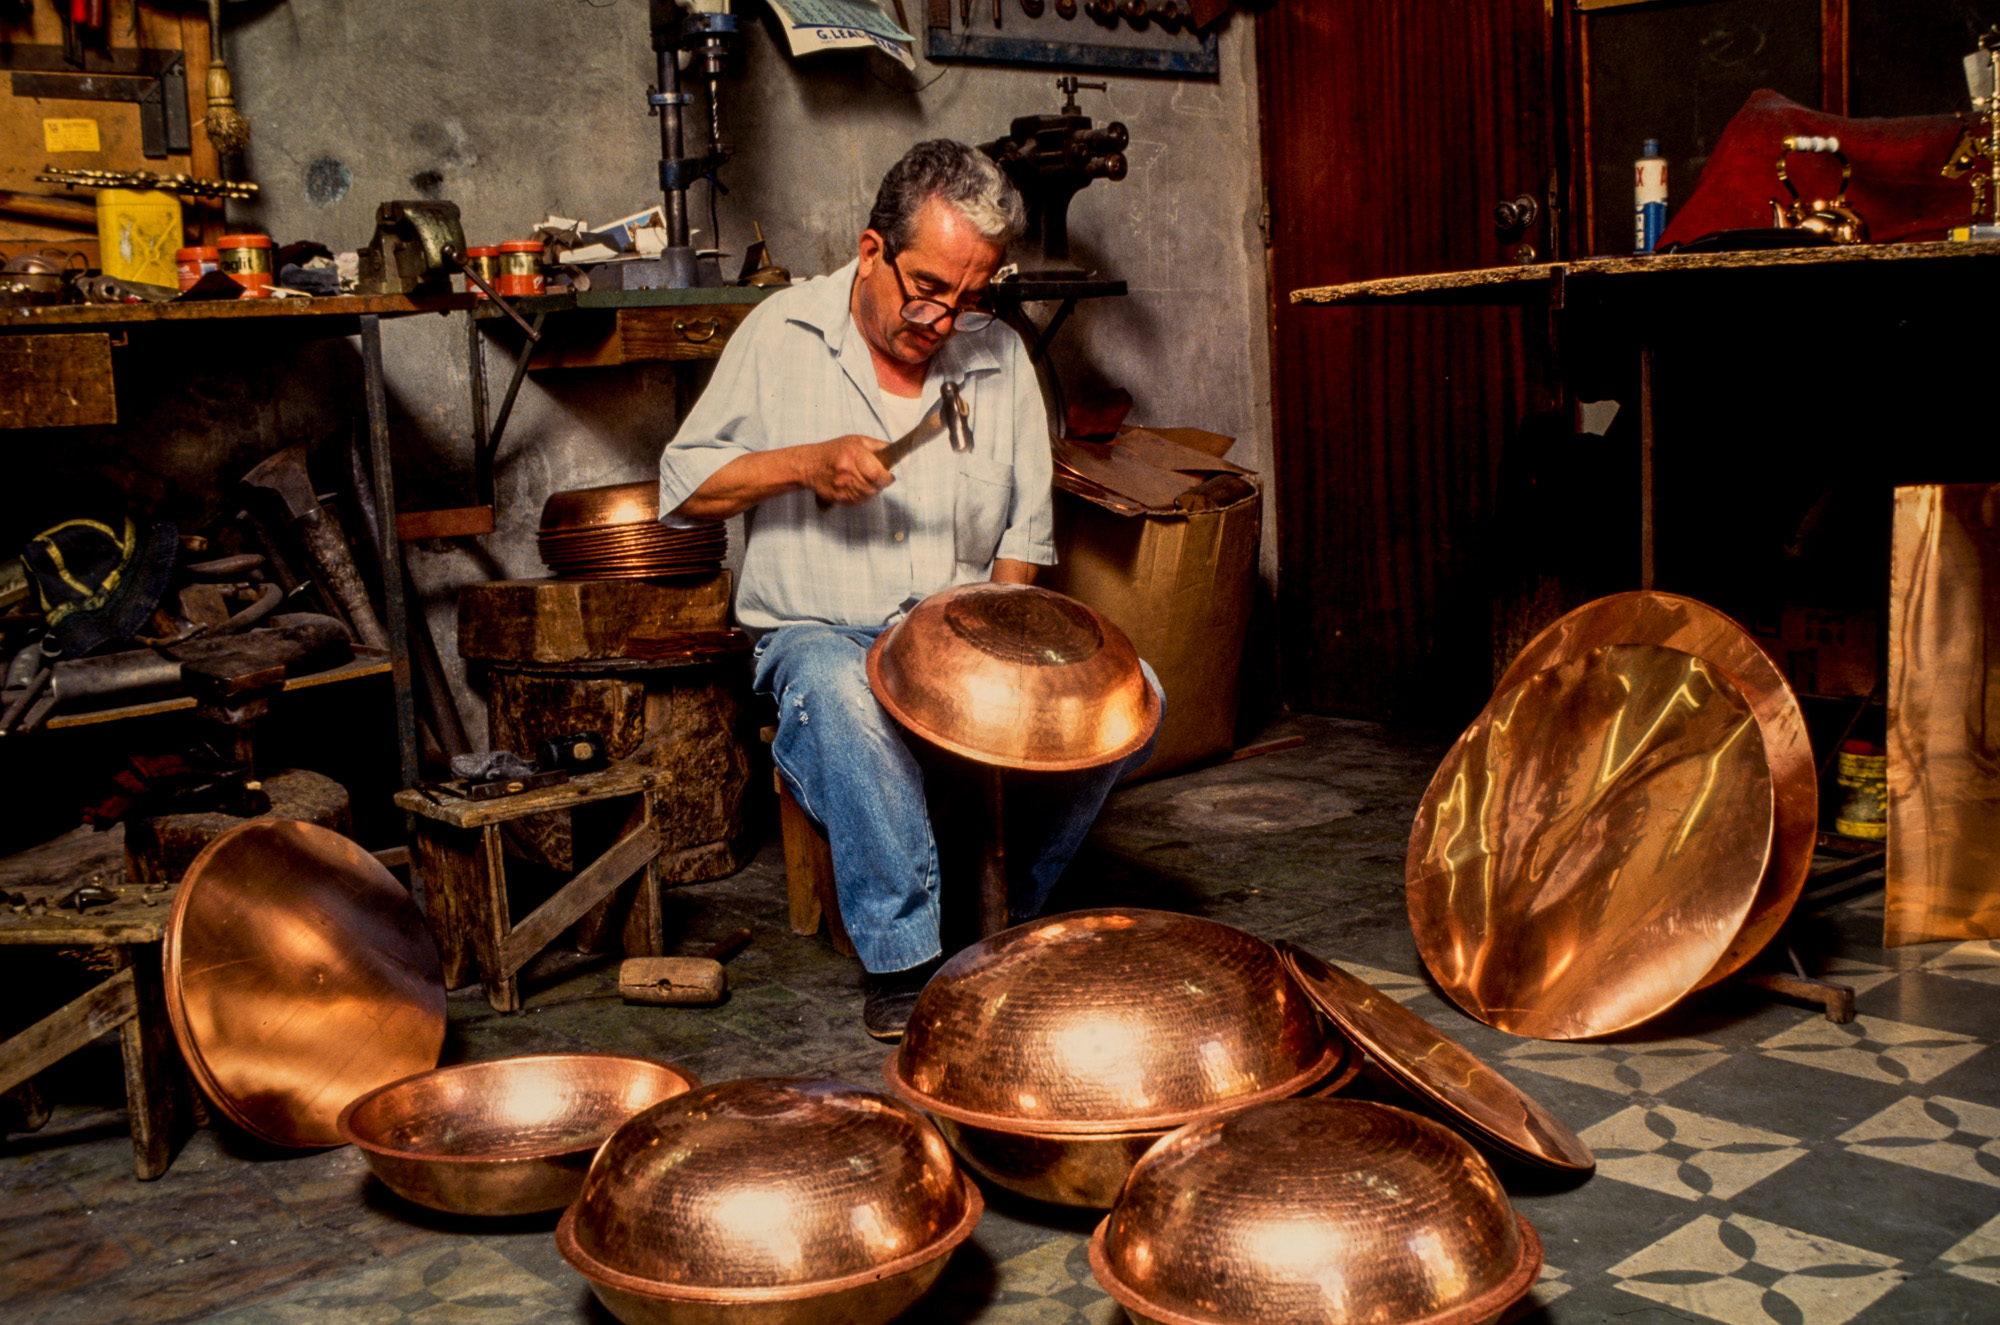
[{"x": 680, "y": 981}]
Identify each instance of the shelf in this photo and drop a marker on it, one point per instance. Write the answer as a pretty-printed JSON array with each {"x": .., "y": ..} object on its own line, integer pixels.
[
  {"x": 62, "y": 317},
  {"x": 366, "y": 662}
]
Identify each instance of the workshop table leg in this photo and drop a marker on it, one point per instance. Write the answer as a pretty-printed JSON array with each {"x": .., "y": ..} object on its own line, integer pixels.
[
  {"x": 645, "y": 923},
  {"x": 395, "y": 610},
  {"x": 465, "y": 900},
  {"x": 152, "y": 1062}
]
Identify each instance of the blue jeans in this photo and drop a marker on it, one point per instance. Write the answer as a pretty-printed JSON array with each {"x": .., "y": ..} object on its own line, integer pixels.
[{"x": 861, "y": 777}]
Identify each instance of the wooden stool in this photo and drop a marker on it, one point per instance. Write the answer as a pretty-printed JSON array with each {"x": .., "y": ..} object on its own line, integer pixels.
[
  {"x": 464, "y": 869},
  {"x": 808, "y": 867},
  {"x": 132, "y": 925}
]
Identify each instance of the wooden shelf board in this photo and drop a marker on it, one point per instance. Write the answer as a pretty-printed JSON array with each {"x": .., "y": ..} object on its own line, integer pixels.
[{"x": 366, "y": 662}]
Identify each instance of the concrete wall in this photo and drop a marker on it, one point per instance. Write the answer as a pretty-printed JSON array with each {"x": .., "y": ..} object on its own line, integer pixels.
[{"x": 518, "y": 108}]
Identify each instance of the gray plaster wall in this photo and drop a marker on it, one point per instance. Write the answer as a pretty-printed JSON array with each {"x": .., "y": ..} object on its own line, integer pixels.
[{"x": 515, "y": 109}]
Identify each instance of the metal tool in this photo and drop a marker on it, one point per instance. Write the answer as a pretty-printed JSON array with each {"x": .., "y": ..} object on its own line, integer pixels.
[
  {"x": 709, "y": 37},
  {"x": 284, "y": 475},
  {"x": 192, "y": 186},
  {"x": 950, "y": 417},
  {"x": 1051, "y": 158},
  {"x": 411, "y": 252}
]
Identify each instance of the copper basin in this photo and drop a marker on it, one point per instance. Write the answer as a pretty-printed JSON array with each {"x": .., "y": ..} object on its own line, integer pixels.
[
  {"x": 596, "y": 508},
  {"x": 1087, "y": 1172},
  {"x": 1096, "y": 1022},
  {"x": 1315, "y": 1210},
  {"x": 506, "y": 1137},
  {"x": 769, "y": 1200},
  {"x": 1017, "y": 676}
]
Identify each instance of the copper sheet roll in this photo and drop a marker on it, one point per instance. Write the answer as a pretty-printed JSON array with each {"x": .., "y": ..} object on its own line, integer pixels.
[
  {"x": 1592, "y": 844},
  {"x": 1674, "y": 622},
  {"x": 1944, "y": 716},
  {"x": 299, "y": 976}
]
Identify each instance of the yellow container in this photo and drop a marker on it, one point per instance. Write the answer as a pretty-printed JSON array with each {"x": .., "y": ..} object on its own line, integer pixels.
[{"x": 139, "y": 231}]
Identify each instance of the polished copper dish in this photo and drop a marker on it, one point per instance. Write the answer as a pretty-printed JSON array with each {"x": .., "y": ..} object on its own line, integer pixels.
[
  {"x": 593, "y": 508},
  {"x": 1674, "y": 622},
  {"x": 1591, "y": 845},
  {"x": 1314, "y": 1210},
  {"x": 1436, "y": 1068},
  {"x": 1082, "y": 1171},
  {"x": 769, "y": 1200},
  {"x": 1097, "y": 1022},
  {"x": 510, "y": 1136},
  {"x": 299, "y": 975},
  {"x": 1012, "y": 675}
]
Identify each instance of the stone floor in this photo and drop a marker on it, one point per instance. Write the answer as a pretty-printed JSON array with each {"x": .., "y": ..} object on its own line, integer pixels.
[{"x": 1757, "y": 1164}]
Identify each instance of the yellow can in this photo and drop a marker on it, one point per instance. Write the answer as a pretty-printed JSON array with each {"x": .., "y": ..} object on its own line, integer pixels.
[{"x": 139, "y": 231}]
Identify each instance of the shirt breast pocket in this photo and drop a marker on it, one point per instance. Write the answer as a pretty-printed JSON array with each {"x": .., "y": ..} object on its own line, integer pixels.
[{"x": 984, "y": 494}]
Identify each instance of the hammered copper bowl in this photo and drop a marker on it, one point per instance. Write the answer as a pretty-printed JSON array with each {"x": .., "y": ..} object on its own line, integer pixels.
[
  {"x": 1332, "y": 1211},
  {"x": 770, "y": 1201},
  {"x": 508, "y": 1137},
  {"x": 1104, "y": 1021},
  {"x": 1012, "y": 675}
]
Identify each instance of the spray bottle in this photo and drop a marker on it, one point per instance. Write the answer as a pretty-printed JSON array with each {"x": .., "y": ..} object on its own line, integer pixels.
[{"x": 1649, "y": 198}]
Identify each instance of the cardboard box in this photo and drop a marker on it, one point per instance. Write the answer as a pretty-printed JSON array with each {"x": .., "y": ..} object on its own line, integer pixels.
[{"x": 1180, "y": 583}]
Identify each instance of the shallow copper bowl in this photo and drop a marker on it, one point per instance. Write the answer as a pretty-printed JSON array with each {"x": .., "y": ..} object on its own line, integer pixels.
[
  {"x": 766, "y": 1201},
  {"x": 591, "y": 508},
  {"x": 1104, "y": 1021},
  {"x": 1314, "y": 1210},
  {"x": 1017, "y": 676},
  {"x": 1082, "y": 1171},
  {"x": 507, "y": 1137}
]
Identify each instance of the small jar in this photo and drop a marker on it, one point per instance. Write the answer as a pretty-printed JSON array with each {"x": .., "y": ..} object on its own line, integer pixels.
[
  {"x": 520, "y": 268},
  {"x": 247, "y": 258},
  {"x": 191, "y": 264},
  {"x": 485, "y": 261}
]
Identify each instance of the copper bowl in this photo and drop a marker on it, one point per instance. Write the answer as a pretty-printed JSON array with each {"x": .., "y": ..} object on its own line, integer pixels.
[
  {"x": 1096, "y": 1022},
  {"x": 508, "y": 1137},
  {"x": 1314, "y": 1210},
  {"x": 1017, "y": 676},
  {"x": 770, "y": 1201},
  {"x": 595, "y": 508},
  {"x": 1087, "y": 1172}
]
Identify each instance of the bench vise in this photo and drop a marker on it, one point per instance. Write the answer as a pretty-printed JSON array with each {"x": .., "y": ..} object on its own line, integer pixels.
[{"x": 413, "y": 249}]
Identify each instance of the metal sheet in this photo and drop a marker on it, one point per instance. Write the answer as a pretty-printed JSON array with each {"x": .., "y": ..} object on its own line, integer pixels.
[
  {"x": 1436, "y": 1068},
  {"x": 299, "y": 975},
  {"x": 1674, "y": 622},
  {"x": 1944, "y": 716},
  {"x": 1592, "y": 843}
]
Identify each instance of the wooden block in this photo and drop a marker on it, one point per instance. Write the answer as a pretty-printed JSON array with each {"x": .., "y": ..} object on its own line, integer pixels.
[
  {"x": 451, "y": 522},
  {"x": 56, "y": 381},
  {"x": 531, "y": 621},
  {"x": 159, "y": 850},
  {"x": 671, "y": 981}
]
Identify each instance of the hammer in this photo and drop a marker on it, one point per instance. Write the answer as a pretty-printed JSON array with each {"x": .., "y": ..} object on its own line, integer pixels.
[
  {"x": 680, "y": 981},
  {"x": 950, "y": 417},
  {"x": 319, "y": 528}
]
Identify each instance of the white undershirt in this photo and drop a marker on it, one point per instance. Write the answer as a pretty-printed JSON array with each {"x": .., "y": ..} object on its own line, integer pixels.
[{"x": 900, "y": 415}]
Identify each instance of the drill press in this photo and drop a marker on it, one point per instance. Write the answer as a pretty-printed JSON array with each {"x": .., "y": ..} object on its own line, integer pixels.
[
  {"x": 707, "y": 31},
  {"x": 1052, "y": 158}
]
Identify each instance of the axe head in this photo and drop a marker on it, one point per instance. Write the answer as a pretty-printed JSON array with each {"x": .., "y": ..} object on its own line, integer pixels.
[{"x": 285, "y": 474}]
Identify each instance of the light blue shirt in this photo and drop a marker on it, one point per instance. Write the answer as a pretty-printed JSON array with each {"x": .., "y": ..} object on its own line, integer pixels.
[{"x": 797, "y": 371}]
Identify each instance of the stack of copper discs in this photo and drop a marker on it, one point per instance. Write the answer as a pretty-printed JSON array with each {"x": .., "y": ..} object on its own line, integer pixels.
[{"x": 614, "y": 533}]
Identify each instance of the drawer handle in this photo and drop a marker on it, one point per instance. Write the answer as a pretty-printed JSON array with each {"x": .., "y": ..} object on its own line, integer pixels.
[{"x": 700, "y": 331}]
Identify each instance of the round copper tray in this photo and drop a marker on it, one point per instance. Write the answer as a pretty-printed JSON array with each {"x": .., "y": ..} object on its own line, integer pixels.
[
  {"x": 638, "y": 536},
  {"x": 299, "y": 975},
  {"x": 1012, "y": 675},
  {"x": 1591, "y": 845},
  {"x": 614, "y": 503},
  {"x": 1646, "y": 617},
  {"x": 1436, "y": 1068}
]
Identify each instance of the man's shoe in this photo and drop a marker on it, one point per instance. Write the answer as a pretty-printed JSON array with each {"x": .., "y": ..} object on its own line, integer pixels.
[{"x": 890, "y": 997}]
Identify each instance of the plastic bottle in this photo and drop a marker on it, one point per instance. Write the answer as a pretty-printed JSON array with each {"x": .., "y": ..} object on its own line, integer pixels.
[{"x": 1649, "y": 198}]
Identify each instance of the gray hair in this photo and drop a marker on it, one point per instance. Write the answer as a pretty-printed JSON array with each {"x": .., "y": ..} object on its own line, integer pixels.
[{"x": 962, "y": 177}]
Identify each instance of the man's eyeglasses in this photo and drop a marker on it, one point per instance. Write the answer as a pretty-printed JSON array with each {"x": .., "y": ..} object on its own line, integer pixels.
[{"x": 929, "y": 312}]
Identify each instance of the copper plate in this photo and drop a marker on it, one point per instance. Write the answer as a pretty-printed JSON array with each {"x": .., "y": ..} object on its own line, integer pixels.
[
  {"x": 1106, "y": 1021},
  {"x": 299, "y": 975},
  {"x": 1017, "y": 676},
  {"x": 1315, "y": 1210},
  {"x": 1673, "y": 622},
  {"x": 1591, "y": 845},
  {"x": 1436, "y": 1068},
  {"x": 509, "y": 1136},
  {"x": 768, "y": 1190},
  {"x": 614, "y": 503}
]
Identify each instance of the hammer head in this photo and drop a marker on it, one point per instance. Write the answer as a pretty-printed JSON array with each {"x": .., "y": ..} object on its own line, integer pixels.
[
  {"x": 957, "y": 417},
  {"x": 285, "y": 474}
]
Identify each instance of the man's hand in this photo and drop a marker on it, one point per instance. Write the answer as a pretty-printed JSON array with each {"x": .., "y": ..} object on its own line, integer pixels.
[{"x": 845, "y": 469}]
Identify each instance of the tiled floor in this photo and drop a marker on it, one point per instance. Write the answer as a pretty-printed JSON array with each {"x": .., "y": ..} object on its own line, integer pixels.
[{"x": 1758, "y": 1165}]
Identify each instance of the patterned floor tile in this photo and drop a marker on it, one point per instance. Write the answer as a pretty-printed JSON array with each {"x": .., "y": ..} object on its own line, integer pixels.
[
  {"x": 1939, "y": 1135},
  {"x": 1047, "y": 1285},
  {"x": 1978, "y": 960},
  {"x": 1857, "y": 975},
  {"x": 1548, "y": 1287},
  {"x": 1746, "y": 1272},
  {"x": 439, "y": 1285},
  {"x": 1652, "y": 1067},
  {"x": 1978, "y": 1257},
  {"x": 1873, "y": 1047},
  {"x": 1686, "y": 1154}
]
